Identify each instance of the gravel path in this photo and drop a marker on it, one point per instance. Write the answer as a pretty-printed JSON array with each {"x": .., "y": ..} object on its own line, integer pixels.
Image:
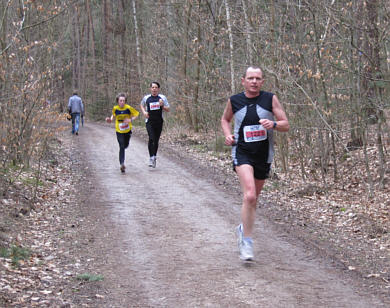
[{"x": 165, "y": 238}]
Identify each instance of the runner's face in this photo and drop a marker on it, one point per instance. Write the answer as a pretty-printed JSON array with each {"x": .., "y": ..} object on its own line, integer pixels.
[
  {"x": 253, "y": 81},
  {"x": 121, "y": 101},
  {"x": 154, "y": 89}
]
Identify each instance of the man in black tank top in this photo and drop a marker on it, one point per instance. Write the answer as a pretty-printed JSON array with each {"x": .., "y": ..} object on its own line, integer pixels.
[{"x": 257, "y": 114}]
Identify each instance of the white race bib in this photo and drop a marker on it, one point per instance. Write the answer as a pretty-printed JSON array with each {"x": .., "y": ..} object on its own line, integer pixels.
[
  {"x": 123, "y": 126},
  {"x": 254, "y": 133},
  {"x": 154, "y": 106}
]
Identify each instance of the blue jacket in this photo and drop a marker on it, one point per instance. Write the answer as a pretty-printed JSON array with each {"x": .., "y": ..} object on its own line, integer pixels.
[{"x": 75, "y": 105}]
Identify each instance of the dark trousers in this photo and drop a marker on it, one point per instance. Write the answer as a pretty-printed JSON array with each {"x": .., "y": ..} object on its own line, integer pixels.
[
  {"x": 123, "y": 140},
  {"x": 154, "y": 130}
]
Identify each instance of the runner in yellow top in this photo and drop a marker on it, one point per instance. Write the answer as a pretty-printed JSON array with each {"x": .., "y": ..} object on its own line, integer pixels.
[{"x": 124, "y": 114}]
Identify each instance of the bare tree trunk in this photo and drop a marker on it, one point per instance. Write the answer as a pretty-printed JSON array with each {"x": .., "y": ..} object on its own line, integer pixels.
[
  {"x": 322, "y": 149},
  {"x": 334, "y": 156},
  {"x": 281, "y": 139},
  {"x": 123, "y": 77},
  {"x": 92, "y": 50},
  {"x": 4, "y": 80},
  {"x": 3, "y": 25},
  {"x": 329, "y": 138},
  {"x": 367, "y": 166},
  {"x": 356, "y": 124},
  {"x": 78, "y": 42},
  {"x": 273, "y": 34},
  {"x": 184, "y": 78},
  {"x": 3, "y": 44},
  {"x": 195, "y": 103},
  {"x": 84, "y": 64},
  {"x": 76, "y": 49},
  {"x": 248, "y": 35},
  {"x": 374, "y": 73},
  {"x": 231, "y": 47},
  {"x": 302, "y": 160},
  {"x": 106, "y": 28},
  {"x": 138, "y": 47}
]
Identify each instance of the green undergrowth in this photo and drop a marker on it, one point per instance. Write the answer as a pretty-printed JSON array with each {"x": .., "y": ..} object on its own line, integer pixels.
[
  {"x": 89, "y": 277},
  {"x": 15, "y": 253}
]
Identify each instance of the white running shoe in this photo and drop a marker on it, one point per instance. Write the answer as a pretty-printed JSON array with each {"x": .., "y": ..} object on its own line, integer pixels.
[
  {"x": 151, "y": 161},
  {"x": 244, "y": 246},
  {"x": 240, "y": 234},
  {"x": 154, "y": 162},
  {"x": 246, "y": 251},
  {"x": 123, "y": 168}
]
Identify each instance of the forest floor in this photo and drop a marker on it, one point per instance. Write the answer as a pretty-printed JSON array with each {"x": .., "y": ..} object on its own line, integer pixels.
[{"x": 45, "y": 257}]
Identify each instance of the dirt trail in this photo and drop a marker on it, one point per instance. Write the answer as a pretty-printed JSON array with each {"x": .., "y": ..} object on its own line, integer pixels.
[{"x": 164, "y": 238}]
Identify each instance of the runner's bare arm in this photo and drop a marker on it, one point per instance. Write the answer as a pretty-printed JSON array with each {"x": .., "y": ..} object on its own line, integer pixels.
[
  {"x": 144, "y": 112},
  {"x": 162, "y": 105},
  {"x": 226, "y": 124},
  {"x": 109, "y": 120},
  {"x": 281, "y": 120},
  {"x": 131, "y": 119}
]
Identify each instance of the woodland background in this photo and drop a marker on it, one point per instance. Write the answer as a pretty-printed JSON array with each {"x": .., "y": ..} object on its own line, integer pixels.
[{"x": 327, "y": 60}]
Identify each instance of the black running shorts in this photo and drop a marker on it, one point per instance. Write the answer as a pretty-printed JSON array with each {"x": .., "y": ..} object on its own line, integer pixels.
[{"x": 260, "y": 168}]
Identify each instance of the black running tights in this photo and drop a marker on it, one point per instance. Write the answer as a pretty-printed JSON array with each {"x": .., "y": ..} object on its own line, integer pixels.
[
  {"x": 123, "y": 140},
  {"x": 154, "y": 131}
]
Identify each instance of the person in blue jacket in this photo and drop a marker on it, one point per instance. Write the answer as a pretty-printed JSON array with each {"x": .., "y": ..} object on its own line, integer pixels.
[{"x": 76, "y": 110}]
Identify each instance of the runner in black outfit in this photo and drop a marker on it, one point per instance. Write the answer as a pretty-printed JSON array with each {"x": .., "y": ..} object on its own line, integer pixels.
[
  {"x": 257, "y": 114},
  {"x": 152, "y": 106}
]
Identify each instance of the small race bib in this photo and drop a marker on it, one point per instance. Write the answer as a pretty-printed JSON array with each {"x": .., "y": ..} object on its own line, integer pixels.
[
  {"x": 123, "y": 126},
  {"x": 154, "y": 106},
  {"x": 254, "y": 133}
]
